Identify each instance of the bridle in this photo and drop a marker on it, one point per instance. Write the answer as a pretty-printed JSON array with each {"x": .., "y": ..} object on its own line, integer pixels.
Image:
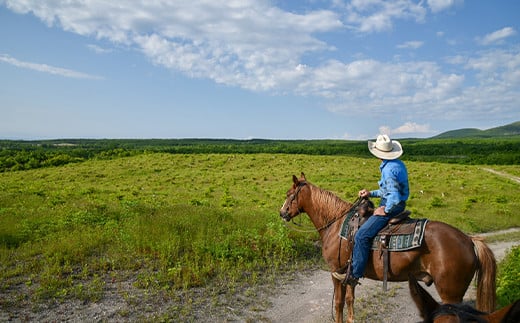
[{"x": 293, "y": 197}]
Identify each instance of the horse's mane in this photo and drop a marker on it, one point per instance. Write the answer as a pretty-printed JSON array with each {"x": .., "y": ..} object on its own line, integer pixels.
[
  {"x": 329, "y": 202},
  {"x": 464, "y": 312}
]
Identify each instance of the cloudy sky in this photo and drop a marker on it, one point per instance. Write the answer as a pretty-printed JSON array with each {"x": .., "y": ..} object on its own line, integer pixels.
[{"x": 307, "y": 69}]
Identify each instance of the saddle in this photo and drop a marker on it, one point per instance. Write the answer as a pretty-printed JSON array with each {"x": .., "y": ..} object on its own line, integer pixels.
[
  {"x": 400, "y": 225},
  {"x": 401, "y": 233},
  {"x": 400, "y": 217}
]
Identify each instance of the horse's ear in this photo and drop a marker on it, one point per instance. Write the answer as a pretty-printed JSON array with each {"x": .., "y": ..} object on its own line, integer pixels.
[
  {"x": 425, "y": 303},
  {"x": 508, "y": 314},
  {"x": 302, "y": 177},
  {"x": 513, "y": 315},
  {"x": 295, "y": 180}
]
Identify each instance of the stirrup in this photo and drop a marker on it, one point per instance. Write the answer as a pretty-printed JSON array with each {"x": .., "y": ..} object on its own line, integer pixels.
[{"x": 346, "y": 279}]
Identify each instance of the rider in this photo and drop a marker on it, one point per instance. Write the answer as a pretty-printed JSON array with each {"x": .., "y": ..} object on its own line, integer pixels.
[{"x": 393, "y": 191}]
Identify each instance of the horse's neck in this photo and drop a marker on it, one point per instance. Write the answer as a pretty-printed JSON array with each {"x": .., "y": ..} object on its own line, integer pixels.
[{"x": 326, "y": 206}]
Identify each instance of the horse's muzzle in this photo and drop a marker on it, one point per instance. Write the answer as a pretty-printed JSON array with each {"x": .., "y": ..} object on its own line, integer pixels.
[{"x": 285, "y": 216}]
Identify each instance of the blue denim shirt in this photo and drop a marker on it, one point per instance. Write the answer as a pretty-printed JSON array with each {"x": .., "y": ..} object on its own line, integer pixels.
[{"x": 393, "y": 186}]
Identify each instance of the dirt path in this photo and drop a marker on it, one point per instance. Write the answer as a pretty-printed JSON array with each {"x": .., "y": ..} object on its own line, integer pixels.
[
  {"x": 506, "y": 175},
  {"x": 310, "y": 299}
]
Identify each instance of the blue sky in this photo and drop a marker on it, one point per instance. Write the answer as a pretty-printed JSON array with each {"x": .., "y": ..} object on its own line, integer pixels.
[{"x": 256, "y": 69}]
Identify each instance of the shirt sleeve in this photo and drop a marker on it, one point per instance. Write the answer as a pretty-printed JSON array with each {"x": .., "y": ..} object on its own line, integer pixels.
[
  {"x": 391, "y": 194},
  {"x": 375, "y": 193}
]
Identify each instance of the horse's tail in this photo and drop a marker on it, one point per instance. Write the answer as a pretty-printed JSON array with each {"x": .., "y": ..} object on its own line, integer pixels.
[{"x": 486, "y": 276}]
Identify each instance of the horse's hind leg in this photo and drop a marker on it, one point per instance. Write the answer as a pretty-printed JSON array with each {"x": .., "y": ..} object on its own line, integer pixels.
[
  {"x": 339, "y": 299},
  {"x": 450, "y": 287}
]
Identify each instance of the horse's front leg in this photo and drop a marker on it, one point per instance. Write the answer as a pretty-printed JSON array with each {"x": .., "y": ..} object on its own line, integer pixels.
[
  {"x": 350, "y": 303},
  {"x": 339, "y": 299}
]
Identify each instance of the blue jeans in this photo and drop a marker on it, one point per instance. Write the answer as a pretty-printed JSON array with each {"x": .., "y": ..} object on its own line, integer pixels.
[{"x": 363, "y": 239}]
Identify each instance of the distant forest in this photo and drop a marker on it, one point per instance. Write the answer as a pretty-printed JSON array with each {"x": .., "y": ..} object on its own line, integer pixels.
[{"x": 23, "y": 155}]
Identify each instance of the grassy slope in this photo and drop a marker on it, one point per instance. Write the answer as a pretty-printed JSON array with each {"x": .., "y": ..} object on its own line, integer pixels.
[
  {"x": 512, "y": 129},
  {"x": 178, "y": 221}
]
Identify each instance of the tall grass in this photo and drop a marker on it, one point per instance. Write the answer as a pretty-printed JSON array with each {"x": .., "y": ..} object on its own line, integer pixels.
[{"x": 181, "y": 221}]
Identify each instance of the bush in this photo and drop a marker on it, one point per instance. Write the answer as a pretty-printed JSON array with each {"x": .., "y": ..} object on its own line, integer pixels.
[{"x": 508, "y": 280}]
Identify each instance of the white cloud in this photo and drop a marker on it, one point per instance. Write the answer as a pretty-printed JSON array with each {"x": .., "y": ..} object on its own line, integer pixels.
[
  {"x": 385, "y": 130},
  {"x": 249, "y": 44},
  {"x": 411, "y": 44},
  {"x": 440, "y": 5},
  {"x": 378, "y": 15},
  {"x": 497, "y": 36},
  {"x": 374, "y": 84},
  {"x": 494, "y": 65},
  {"x": 486, "y": 86},
  {"x": 406, "y": 128},
  {"x": 98, "y": 49},
  {"x": 46, "y": 68}
]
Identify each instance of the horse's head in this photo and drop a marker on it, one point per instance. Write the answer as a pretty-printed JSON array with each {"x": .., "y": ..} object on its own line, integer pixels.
[
  {"x": 293, "y": 202},
  {"x": 431, "y": 311}
]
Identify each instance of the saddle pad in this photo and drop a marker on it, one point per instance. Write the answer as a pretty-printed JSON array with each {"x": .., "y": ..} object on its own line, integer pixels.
[
  {"x": 402, "y": 242},
  {"x": 397, "y": 241}
]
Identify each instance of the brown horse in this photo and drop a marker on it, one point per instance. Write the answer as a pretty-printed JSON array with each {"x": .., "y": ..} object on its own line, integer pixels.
[
  {"x": 447, "y": 257},
  {"x": 433, "y": 312}
]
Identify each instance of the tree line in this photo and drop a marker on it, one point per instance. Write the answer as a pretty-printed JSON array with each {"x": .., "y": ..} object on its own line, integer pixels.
[{"x": 23, "y": 155}]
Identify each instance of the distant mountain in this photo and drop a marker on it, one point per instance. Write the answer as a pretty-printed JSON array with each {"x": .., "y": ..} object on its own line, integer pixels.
[{"x": 512, "y": 129}]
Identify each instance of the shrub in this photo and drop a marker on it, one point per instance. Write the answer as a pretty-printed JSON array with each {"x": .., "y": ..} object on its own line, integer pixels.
[{"x": 508, "y": 280}]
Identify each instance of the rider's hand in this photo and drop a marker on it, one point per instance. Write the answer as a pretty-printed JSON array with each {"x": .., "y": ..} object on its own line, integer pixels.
[
  {"x": 380, "y": 211},
  {"x": 364, "y": 193}
]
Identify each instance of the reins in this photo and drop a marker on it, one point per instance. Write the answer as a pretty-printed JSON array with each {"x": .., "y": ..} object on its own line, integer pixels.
[
  {"x": 308, "y": 229},
  {"x": 328, "y": 224}
]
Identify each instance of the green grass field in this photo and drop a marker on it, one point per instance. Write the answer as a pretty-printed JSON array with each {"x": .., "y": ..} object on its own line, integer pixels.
[{"x": 177, "y": 221}]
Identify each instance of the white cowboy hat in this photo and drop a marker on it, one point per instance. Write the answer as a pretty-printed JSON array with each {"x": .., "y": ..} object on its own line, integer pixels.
[{"x": 385, "y": 148}]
